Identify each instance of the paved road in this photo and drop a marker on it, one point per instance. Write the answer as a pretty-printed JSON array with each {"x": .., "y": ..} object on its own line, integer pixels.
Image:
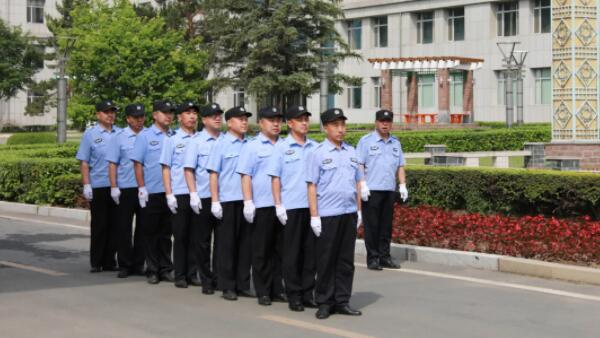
[{"x": 46, "y": 291}]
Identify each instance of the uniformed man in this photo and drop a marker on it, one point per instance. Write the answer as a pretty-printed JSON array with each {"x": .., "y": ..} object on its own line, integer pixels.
[
  {"x": 233, "y": 234},
  {"x": 291, "y": 205},
  {"x": 96, "y": 187},
  {"x": 333, "y": 177},
  {"x": 197, "y": 178},
  {"x": 380, "y": 154},
  {"x": 123, "y": 190},
  {"x": 156, "y": 217},
  {"x": 259, "y": 208},
  {"x": 178, "y": 196}
]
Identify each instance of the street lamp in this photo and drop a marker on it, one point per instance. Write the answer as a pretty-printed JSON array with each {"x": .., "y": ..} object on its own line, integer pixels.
[{"x": 513, "y": 61}]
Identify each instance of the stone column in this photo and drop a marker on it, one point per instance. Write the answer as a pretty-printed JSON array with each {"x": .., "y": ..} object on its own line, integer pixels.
[
  {"x": 468, "y": 97},
  {"x": 443, "y": 95},
  {"x": 412, "y": 101},
  {"x": 386, "y": 89}
]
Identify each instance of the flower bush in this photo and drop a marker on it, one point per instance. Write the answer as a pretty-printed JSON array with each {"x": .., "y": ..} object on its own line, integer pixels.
[{"x": 574, "y": 240}]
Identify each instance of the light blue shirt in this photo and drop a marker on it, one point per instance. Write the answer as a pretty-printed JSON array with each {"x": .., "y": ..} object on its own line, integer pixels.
[
  {"x": 93, "y": 149},
  {"x": 288, "y": 162},
  {"x": 196, "y": 157},
  {"x": 173, "y": 154},
  {"x": 119, "y": 152},
  {"x": 254, "y": 162},
  {"x": 335, "y": 172},
  {"x": 381, "y": 159},
  {"x": 147, "y": 150},
  {"x": 223, "y": 160}
]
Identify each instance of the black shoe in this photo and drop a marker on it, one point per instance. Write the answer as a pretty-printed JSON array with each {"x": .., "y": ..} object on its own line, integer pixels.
[
  {"x": 311, "y": 304},
  {"x": 347, "y": 310},
  {"x": 181, "y": 283},
  {"x": 167, "y": 277},
  {"x": 208, "y": 290},
  {"x": 229, "y": 295},
  {"x": 264, "y": 300},
  {"x": 194, "y": 282},
  {"x": 374, "y": 265},
  {"x": 153, "y": 279},
  {"x": 389, "y": 264},
  {"x": 95, "y": 269},
  {"x": 246, "y": 293},
  {"x": 123, "y": 273},
  {"x": 280, "y": 298},
  {"x": 110, "y": 268},
  {"x": 296, "y": 306},
  {"x": 323, "y": 312}
]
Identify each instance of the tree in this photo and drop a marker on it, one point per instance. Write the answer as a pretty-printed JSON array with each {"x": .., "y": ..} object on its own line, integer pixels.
[
  {"x": 275, "y": 49},
  {"x": 119, "y": 55},
  {"x": 19, "y": 58}
]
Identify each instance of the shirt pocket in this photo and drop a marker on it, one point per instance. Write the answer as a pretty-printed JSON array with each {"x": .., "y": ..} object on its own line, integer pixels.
[
  {"x": 203, "y": 157},
  {"x": 126, "y": 155}
]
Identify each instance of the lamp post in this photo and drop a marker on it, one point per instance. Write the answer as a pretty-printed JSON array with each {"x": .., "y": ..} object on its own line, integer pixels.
[{"x": 513, "y": 61}]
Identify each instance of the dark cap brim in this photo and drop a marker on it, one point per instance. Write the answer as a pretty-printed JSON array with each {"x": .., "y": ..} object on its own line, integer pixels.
[
  {"x": 247, "y": 114},
  {"x": 298, "y": 115},
  {"x": 335, "y": 119}
]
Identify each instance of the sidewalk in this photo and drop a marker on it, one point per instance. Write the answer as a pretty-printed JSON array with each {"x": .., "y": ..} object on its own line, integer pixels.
[{"x": 80, "y": 218}]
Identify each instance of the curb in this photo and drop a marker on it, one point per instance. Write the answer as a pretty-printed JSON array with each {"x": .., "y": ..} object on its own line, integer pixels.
[{"x": 43, "y": 210}]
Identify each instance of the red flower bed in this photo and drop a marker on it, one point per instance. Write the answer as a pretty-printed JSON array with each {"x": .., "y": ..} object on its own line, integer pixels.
[{"x": 538, "y": 237}]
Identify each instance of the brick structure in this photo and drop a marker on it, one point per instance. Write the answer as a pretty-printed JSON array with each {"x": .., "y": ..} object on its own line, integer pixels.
[
  {"x": 587, "y": 153},
  {"x": 468, "y": 97},
  {"x": 386, "y": 89},
  {"x": 412, "y": 94},
  {"x": 443, "y": 95}
]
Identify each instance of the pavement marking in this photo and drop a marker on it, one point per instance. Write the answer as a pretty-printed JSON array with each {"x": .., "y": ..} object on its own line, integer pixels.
[
  {"x": 33, "y": 268},
  {"x": 494, "y": 283},
  {"x": 25, "y": 219},
  {"x": 314, "y": 327}
]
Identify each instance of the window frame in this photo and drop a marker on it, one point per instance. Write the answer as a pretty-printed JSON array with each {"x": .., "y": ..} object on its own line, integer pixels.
[
  {"x": 239, "y": 93},
  {"x": 542, "y": 76},
  {"x": 421, "y": 22},
  {"x": 453, "y": 18},
  {"x": 538, "y": 16},
  {"x": 421, "y": 85},
  {"x": 35, "y": 11},
  {"x": 376, "y": 81},
  {"x": 354, "y": 33},
  {"x": 506, "y": 11},
  {"x": 352, "y": 96},
  {"x": 378, "y": 27}
]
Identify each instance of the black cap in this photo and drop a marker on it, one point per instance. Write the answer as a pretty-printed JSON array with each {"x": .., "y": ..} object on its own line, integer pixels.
[
  {"x": 136, "y": 109},
  {"x": 236, "y": 112},
  {"x": 163, "y": 106},
  {"x": 332, "y": 114},
  {"x": 269, "y": 112},
  {"x": 211, "y": 109},
  {"x": 384, "y": 115},
  {"x": 296, "y": 111},
  {"x": 106, "y": 105},
  {"x": 185, "y": 106}
]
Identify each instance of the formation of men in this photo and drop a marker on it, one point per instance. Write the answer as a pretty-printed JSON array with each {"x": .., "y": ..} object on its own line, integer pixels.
[{"x": 239, "y": 208}]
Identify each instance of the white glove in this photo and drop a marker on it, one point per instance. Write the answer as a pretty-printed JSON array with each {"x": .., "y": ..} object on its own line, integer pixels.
[
  {"x": 403, "y": 192},
  {"x": 281, "y": 214},
  {"x": 195, "y": 202},
  {"x": 315, "y": 224},
  {"x": 359, "y": 219},
  {"x": 249, "y": 211},
  {"x": 216, "y": 210},
  {"x": 142, "y": 196},
  {"x": 87, "y": 192},
  {"x": 364, "y": 191},
  {"x": 172, "y": 203},
  {"x": 115, "y": 193}
]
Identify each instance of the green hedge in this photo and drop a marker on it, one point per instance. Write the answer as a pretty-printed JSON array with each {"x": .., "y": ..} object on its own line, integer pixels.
[
  {"x": 508, "y": 191},
  {"x": 32, "y": 138}
]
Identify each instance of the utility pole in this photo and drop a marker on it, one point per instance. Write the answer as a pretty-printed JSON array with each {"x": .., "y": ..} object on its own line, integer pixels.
[
  {"x": 61, "y": 92},
  {"x": 513, "y": 61}
]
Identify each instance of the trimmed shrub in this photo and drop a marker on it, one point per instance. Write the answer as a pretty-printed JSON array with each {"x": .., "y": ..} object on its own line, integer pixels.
[{"x": 31, "y": 138}]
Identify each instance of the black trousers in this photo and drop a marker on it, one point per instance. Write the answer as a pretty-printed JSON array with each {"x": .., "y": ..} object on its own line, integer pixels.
[
  {"x": 130, "y": 253},
  {"x": 156, "y": 224},
  {"x": 335, "y": 263},
  {"x": 206, "y": 225},
  {"x": 185, "y": 238},
  {"x": 234, "y": 251},
  {"x": 378, "y": 213},
  {"x": 299, "y": 260},
  {"x": 103, "y": 237},
  {"x": 266, "y": 253}
]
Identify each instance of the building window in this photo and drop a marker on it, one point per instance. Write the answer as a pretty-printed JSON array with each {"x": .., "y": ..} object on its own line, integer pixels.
[
  {"x": 32, "y": 96},
  {"x": 456, "y": 24},
  {"x": 354, "y": 33},
  {"x": 38, "y": 62},
  {"x": 500, "y": 75},
  {"x": 35, "y": 11},
  {"x": 426, "y": 86},
  {"x": 355, "y": 97},
  {"x": 380, "y": 28},
  {"x": 543, "y": 85},
  {"x": 425, "y": 27},
  {"x": 238, "y": 97},
  {"x": 376, "y": 92},
  {"x": 456, "y": 90},
  {"x": 541, "y": 14},
  {"x": 508, "y": 18}
]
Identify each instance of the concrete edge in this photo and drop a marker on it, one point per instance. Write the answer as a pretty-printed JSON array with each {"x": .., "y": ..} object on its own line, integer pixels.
[
  {"x": 550, "y": 270},
  {"x": 44, "y": 210}
]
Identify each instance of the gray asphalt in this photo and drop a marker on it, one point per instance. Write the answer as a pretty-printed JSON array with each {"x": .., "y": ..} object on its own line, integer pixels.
[{"x": 394, "y": 303}]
